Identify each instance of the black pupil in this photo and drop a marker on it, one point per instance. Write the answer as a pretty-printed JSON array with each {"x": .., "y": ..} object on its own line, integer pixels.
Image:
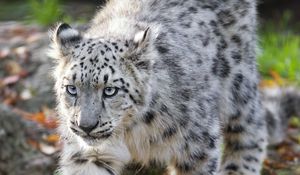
[
  {"x": 72, "y": 89},
  {"x": 109, "y": 90}
]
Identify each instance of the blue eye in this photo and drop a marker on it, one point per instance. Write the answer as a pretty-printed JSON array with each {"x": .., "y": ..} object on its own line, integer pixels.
[
  {"x": 71, "y": 90},
  {"x": 110, "y": 91}
]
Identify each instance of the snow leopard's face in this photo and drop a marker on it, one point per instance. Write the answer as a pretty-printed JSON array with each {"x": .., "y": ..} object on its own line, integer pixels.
[{"x": 100, "y": 84}]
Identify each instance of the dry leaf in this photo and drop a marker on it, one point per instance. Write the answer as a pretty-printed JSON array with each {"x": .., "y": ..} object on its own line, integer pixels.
[
  {"x": 41, "y": 118},
  {"x": 9, "y": 80},
  {"x": 50, "y": 124},
  {"x": 268, "y": 83},
  {"x": 275, "y": 165},
  {"x": 51, "y": 117},
  {"x": 13, "y": 78},
  {"x": 13, "y": 68},
  {"x": 33, "y": 143},
  {"x": 34, "y": 37},
  {"x": 18, "y": 30},
  {"x": 279, "y": 80},
  {"x": 23, "y": 73},
  {"x": 52, "y": 138},
  {"x": 11, "y": 99}
]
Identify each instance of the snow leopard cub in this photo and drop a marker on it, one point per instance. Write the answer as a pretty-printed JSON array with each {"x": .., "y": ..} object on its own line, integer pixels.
[{"x": 167, "y": 81}]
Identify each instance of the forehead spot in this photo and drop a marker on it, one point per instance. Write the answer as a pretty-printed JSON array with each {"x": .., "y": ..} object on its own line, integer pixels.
[
  {"x": 74, "y": 77},
  {"x": 112, "y": 69},
  {"x": 105, "y": 78}
]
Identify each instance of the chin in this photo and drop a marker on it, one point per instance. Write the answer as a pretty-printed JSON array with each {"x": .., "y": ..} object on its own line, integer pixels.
[{"x": 94, "y": 141}]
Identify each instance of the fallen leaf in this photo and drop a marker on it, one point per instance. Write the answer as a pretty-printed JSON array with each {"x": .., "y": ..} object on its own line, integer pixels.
[
  {"x": 277, "y": 77},
  {"x": 275, "y": 165},
  {"x": 50, "y": 124},
  {"x": 34, "y": 37},
  {"x": 39, "y": 117},
  {"x": 18, "y": 30},
  {"x": 13, "y": 68},
  {"x": 23, "y": 73},
  {"x": 33, "y": 143},
  {"x": 52, "y": 138},
  {"x": 12, "y": 79},
  {"x": 50, "y": 114},
  {"x": 9, "y": 80},
  {"x": 11, "y": 100},
  {"x": 268, "y": 83},
  {"x": 22, "y": 113}
]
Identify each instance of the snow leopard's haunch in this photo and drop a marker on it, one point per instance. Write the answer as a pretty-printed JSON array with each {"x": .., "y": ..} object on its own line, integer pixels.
[{"x": 163, "y": 81}]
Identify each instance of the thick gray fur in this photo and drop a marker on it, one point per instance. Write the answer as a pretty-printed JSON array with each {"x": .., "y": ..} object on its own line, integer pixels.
[{"x": 184, "y": 81}]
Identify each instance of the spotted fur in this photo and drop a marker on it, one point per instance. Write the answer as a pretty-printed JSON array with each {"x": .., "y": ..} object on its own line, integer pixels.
[{"x": 181, "y": 79}]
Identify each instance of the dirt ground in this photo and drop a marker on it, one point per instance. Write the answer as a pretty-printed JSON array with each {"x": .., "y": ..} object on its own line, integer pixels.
[{"x": 28, "y": 140}]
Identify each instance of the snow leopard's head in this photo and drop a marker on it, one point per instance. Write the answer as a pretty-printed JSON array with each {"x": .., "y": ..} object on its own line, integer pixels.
[{"x": 101, "y": 84}]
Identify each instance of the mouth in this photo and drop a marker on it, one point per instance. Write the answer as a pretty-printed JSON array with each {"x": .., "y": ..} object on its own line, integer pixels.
[
  {"x": 95, "y": 136},
  {"x": 98, "y": 137},
  {"x": 94, "y": 141}
]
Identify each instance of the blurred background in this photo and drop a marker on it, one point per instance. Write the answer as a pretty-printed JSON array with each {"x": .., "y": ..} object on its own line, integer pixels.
[{"x": 28, "y": 141}]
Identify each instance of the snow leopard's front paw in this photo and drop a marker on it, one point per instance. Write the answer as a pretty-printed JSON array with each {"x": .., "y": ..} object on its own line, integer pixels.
[{"x": 88, "y": 168}]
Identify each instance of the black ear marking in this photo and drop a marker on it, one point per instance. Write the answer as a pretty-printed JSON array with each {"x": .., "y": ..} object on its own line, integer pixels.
[
  {"x": 64, "y": 37},
  {"x": 62, "y": 27},
  {"x": 143, "y": 64},
  {"x": 142, "y": 37},
  {"x": 65, "y": 34},
  {"x": 138, "y": 46}
]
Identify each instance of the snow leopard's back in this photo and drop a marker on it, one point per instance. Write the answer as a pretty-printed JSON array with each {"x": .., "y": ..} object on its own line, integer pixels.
[{"x": 206, "y": 37}]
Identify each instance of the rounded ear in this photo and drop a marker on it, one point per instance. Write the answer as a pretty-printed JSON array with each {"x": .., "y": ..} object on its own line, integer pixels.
[
  {"x": 140, "y": 45},
  {"x": 64, "y": 36}
]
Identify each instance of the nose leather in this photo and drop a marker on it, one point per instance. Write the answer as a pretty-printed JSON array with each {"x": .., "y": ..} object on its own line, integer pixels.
[
  {"x": 87, "y": 128},
  {"x": 90, "y": 111}
]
